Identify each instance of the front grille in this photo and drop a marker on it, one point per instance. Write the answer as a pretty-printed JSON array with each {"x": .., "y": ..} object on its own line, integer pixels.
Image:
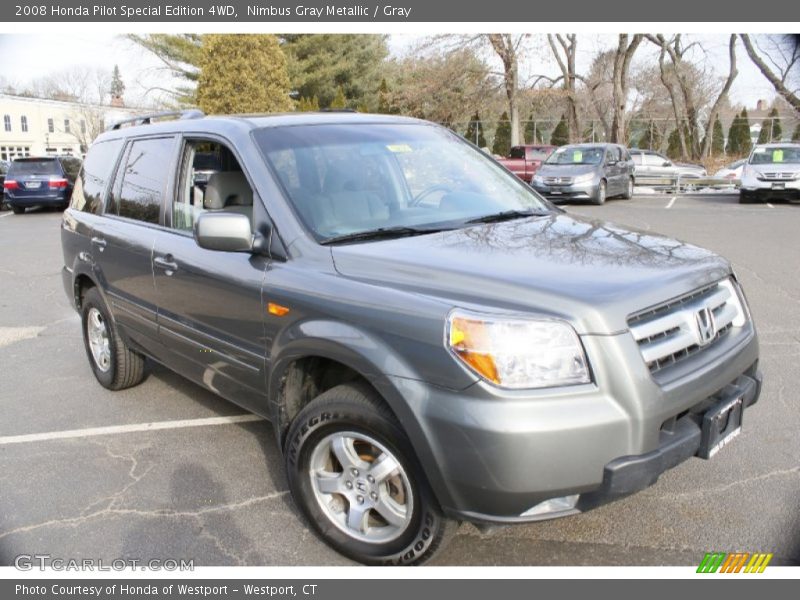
[
  {"x": 558, "y": 180},
  {"x": 775, "y": 176},
  {"x": 681, "y": 328}
]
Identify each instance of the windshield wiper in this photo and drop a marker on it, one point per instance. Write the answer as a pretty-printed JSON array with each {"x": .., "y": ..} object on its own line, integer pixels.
[
  {"x": 507, "y": 215},
  {"x": 383, "y": 233}
]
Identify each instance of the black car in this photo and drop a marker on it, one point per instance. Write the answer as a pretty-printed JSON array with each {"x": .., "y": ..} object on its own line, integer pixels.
[
  {"x": 3, "y": 171},
  {"x": 40, "y": 181}
]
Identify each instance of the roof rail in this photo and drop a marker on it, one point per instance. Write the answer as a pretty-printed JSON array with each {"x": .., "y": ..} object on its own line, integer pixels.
[{"x": 148, "y": 118}]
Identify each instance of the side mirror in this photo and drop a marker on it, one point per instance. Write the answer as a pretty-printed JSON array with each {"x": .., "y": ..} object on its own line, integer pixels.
[
  {"x": 226, "y": 232},
  {"x": 611, "y": 162},
  {"x": 666, "y": 163}
]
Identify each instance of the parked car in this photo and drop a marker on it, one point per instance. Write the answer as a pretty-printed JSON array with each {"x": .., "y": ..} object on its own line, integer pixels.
[
  {"x": 431, "y": 345},
  {"x": 524, "y": 161},
  {"x": 653, "y": 167},
  {"x": 3, "y": 171},
  {"x": 771, "y": 171},
  {"x": 40, "y": 181},
  {"x": 732, "y": 172},
  {"x": 591, "y": 172}
]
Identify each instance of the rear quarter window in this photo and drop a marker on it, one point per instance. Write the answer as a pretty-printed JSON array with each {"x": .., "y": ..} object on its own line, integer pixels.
[
  {"x": 92, "y": 181},
  {"x": 143, "y": 180}
]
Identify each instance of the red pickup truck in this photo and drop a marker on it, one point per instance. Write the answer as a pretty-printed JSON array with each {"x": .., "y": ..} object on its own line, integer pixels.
[{"x": 524, "y": 161}]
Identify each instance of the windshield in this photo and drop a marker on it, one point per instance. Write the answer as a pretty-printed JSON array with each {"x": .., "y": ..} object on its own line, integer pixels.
[
  {"x": 42, "y": 166},
  {"x": 350, "y": 179},
  {"x": 775, "y": 155},
  {"x": 576, "y": 155}
]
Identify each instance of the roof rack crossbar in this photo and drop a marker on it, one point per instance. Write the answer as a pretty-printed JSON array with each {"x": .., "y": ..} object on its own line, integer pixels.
[{"x": 148, "y": 118}]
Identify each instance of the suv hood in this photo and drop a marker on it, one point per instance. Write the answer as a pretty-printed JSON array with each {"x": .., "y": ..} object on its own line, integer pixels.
[
  {"x": 762, "y": 168},
  {"x": 591, "y": 273},
  {"x": 565, "y": 170}
]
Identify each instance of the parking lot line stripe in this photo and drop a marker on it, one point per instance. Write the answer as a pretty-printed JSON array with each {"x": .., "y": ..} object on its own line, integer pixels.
[
  {"x": 6, "y": 215},
  {"x": 134, "y": 427},
  {"x": 671, "y": 202}
]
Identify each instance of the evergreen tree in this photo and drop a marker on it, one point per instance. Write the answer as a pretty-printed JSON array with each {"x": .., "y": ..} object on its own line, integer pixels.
[
  {"x": 674, "y": 144},
  {"x": 117, "y": 87},
  {"x": 533, "y": 133},
  {"x": 560, "y": 135},
  {"x": 651, "y": 138},
  {"x": 474, "y": 132},
  {"x": 718, "y": 139},
  {"x": 308, "y": 104},
  {"x": 502, "y": 136},
  {"x": 745, "y": 141},
  {"x": 242, "y": 73},
  {"x": 340, "y": 100},
  {"x": 770, "y": 128},
  {"x": 318, "y": 64},
  {"x": 733, "y": 136}
]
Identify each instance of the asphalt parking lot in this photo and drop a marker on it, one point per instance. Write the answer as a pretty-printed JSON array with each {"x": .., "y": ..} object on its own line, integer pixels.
[{"x": 215, "y": 491}]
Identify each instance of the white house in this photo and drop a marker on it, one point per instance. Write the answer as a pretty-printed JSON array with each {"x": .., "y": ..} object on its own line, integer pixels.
[{"x": 37, "y": 127}]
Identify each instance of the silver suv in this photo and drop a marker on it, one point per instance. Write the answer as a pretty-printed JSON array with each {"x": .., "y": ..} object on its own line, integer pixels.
[
  {"x": 432, "y": 341},
  {"x": 771, "y": 171}
]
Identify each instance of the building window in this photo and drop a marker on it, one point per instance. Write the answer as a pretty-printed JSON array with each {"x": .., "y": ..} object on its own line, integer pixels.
[
  {"x": 83, "y": 126},
  {"x": 7, "y": 122},
  {"x": 23, "y": 122},
  {"x": 51, "y": 126},
  {"x": 66, "y": 125}
]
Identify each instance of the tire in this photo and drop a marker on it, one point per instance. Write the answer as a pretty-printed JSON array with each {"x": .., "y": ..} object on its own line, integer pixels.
[
  {"x": 348, "y": 421},
  {"x": 745, "y": 198},
  {"x": 18, "y": 210},
  {"x": 600, "y": 194},
  {"x": 115, "y": 365},
  {"x": 628, "y": 190}
]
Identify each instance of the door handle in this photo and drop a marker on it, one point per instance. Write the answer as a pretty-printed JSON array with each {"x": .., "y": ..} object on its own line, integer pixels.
[
  {"x": 166, "y": 263},
  {"x": 99, "y": 242}
]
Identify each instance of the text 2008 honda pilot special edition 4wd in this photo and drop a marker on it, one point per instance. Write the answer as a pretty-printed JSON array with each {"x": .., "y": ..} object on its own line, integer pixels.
[{"x": 431, "y": 340}]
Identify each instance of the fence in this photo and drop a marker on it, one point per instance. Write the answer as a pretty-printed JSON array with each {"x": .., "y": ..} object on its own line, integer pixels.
[{"x": 652, "y": 134}]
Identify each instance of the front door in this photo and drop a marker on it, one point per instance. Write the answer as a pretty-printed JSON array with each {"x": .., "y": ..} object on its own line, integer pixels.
[{"x": 209, "y": 302}]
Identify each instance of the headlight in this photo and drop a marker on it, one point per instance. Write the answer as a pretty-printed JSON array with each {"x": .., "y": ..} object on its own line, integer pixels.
[
  {"x": 537, "y": 179},
  {"x": 737, "y": 301},
  {"x": 518, "y": 353},
  {"x": 583, "y": 178}
]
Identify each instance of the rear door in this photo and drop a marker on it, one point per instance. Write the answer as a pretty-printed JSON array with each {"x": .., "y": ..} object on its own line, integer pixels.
[
  {"x": 122, "y": 241},
  {"x": 612, "y": 167}
]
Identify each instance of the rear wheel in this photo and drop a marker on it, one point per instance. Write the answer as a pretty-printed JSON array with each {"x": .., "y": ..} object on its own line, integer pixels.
[
  {"x": 18, "y": 210},
  {"x": 114, "y": 364},
  {"x": 352, "y": 471}
]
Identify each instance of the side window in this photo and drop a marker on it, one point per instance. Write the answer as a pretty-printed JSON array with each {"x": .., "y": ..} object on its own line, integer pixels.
[
  {"x": 91, "y": 182},
  {"x": 211, "y": 180},
  {"x": 144, "y": 178}
]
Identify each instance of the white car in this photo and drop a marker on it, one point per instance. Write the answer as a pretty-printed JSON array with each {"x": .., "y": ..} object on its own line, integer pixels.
[
  {"x": 733, "y": 172},
  {"x": 771, "y": 171}
]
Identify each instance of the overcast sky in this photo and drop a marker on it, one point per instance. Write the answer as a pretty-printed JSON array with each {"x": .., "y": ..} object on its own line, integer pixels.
[{"x": 39, "y": 55}]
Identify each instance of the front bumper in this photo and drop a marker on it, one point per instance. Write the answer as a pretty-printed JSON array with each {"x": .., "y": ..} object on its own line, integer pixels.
[
  {"x": 500, "y": 454},
  {"x": 767, "y": 192},
  {"x": 575, "y": 191}
]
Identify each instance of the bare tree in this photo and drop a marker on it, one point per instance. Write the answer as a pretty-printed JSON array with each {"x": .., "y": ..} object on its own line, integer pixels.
[
  {"x": 568, "y": 44},
  {"x": 784, "y": 55},
  {"x": 507, "y": 49},
  {"x": 622, "y": 64},
  {"x": 723, "y": 94}
]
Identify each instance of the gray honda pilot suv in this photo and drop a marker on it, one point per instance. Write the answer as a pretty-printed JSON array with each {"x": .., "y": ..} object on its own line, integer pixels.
[{"x": 432, "y": 341}]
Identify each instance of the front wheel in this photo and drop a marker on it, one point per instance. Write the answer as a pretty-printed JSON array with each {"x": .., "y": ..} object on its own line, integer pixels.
[
  {"x": 352, "y": 471},
  {"x": 600, "y": 194},
  {"x": 746, "y": 198},
  {"x": 628, "y": 190}
]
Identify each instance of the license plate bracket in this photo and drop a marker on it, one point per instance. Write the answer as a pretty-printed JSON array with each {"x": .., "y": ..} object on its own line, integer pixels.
[
  {"x": 721, "y": 424},
  {"x": 33, "y": 185},
  {"x": 778, "y": 186}
]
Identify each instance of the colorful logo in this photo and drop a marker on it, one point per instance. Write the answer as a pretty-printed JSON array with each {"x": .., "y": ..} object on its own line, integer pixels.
[{"x": 736, "y": 562}]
